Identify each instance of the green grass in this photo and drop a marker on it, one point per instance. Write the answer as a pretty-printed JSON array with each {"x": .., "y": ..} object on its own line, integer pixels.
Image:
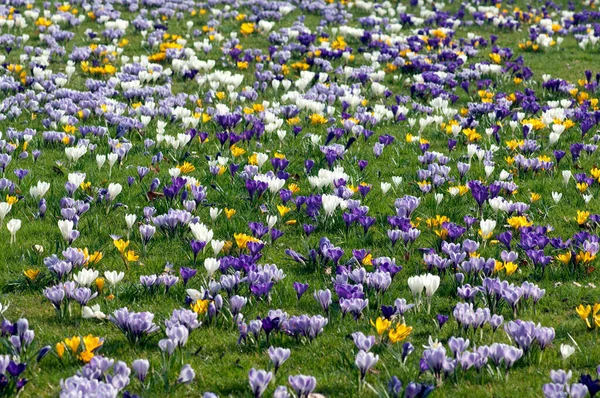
[{"x": 220, "y": 363}]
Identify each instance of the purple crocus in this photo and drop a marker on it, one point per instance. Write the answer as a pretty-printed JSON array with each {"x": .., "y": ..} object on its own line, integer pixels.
[{"x": 300, "y": 289}]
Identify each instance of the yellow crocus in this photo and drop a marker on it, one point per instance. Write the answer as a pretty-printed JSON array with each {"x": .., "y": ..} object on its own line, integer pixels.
[
  {"x": 381, "y": 325},
  {"x": 31, "y": 273},
  {"x": 400, "y": 333},
  {"x": 186, "y": 167},
  {"x": 121, "y": 245},
  {"x": 582, "y": 217},
  {"x": 73, "y": 343},
  {"x": 92, "y": 343},
  {"x": 510, "y": 267},
  {"x": 230, "y": 213},
  {"x": 60, "y": 350},
  {"x": 100, "y": 284},
  {"x": 584, "y": 313},
  {"x": 95, "y": 257},
  {"x": 236, "y": 151},
  {"x": 200, "y": 306},
  {"x": 86, "y": 356},
  {"x": 564, "y": 258},
  {"x": 283, "y": 210},
  {"x": 131, "y": 256}
]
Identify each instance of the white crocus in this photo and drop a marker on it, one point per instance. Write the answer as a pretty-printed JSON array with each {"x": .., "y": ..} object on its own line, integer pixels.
[
  {"x": 330, "y": 203},
  {"x": 114, "y": 277},
  {"x": 385, "y": 187},
  {"x": 217, "y": 246},
  {"x": 86, "y": 277},
  {"x": 556, "y": 196},
  {"x": 211, "y": 265},
  {"x": 100, "y": 159},
  {"x": 4, "y": 307},
  {"x": 431, "y": 283},
  {"x": 214, "y": 213},
  {"x": 201, "y": 232},
  {"x": 130, "y": 220},
  {"x": 38, "y": 191},
  {"x": 4, "y": 210},
  {"x": 566, "y": 351},
  {"x": 487, "y": 228},
  {"x": 271, "y": 221},
  {"x": 566, "y": 175},
  {"x": 13, "y": 226},
  {"x": 415, "y": 284},
  {"x": 92, "y": 312},
  {"x": 112, "y": 159},
  {"x": 66, "y": 228},
  {"x": 397, "y": 181},
  {"x": 114, "y": 189}
]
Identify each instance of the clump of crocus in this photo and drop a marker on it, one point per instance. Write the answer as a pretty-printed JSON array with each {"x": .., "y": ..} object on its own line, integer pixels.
[{"x": 84, "y": 349}]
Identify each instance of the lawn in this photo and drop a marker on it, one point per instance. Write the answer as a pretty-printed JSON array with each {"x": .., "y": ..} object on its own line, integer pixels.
[{"x": 387, "y": 104}]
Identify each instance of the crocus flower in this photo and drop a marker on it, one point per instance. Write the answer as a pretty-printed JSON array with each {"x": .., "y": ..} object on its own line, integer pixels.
[
  {"x": 365, "y": 361},
  {"x": 259, "y": 381},
  {"x": 278, "y": 356},
  {"x": 302, "y": 385}
]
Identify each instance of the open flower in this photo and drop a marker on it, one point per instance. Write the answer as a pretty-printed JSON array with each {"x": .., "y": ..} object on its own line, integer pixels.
[
  {"x": 381, "y": 325},
  {"x": 399, "y": 333}
]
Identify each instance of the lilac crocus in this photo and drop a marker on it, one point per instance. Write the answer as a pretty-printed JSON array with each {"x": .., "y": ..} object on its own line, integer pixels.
[
  {"x": 365, "y": 361},
  {"x": 302, "y": 385},
  {"x": 278, "y": 356},
  {"x": 259, "y": 381}
]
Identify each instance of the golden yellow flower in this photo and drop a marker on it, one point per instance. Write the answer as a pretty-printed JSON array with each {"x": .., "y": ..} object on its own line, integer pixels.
[
  {"x": 317, "y": 118},
  {"x": 121, "y": 245},
  {"x": 229, "y": 213},
  {"x": 92, "y": 343},
  {"x": 584, "y": 313},
  {"x": 200, "y": 306},
  {"x": 60, "y": 350},
  {"x": 236, "y": 151},
  {"x": 381, "y": 325},
  {"x": 584, "y": 257},
  {"x": 283, "y": 210},
  {"x": 519, "y": 222},
  {"x": 368, "y": 259},
  {"x": 131, "y": 256},
  {"x": 510, "y": 267},
  {"x": 564, "y": 258},
  {"x": 247, "y": 28},
  {"x": 400, "y": 333},
  {"x": 73, "y": 343},
  {"x": 100, "y": 284},
  {"x": 95, "y": 257},
  {"x": 31, "y": 273},
  {"x": 242, "y": 240},
  {"x": 86, "y": 356},
  {"x": 186, "y": 167},
  {"x": 582, "y": 217},
  {"x": 294, "y": 188}
]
